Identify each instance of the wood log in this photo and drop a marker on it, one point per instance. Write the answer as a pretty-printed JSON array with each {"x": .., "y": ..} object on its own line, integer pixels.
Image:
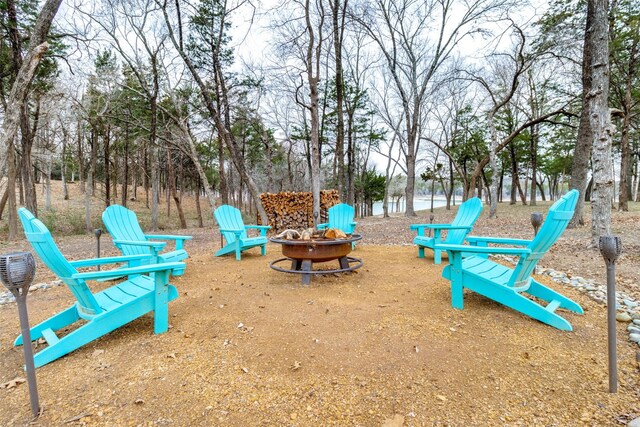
[{"x": 295, "y": 210}]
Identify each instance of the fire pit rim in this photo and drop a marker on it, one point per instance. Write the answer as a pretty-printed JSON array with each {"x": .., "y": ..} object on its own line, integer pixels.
[{"x": 351, "y": 239}]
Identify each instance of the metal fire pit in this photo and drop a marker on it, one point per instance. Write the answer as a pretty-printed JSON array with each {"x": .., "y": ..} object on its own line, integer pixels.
[{"x": 304, "y": 253}]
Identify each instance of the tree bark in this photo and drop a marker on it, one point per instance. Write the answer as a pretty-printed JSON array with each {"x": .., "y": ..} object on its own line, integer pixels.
[
  {"x": 338, "y": 15},
  {"x": 584, "y": 142},
  {"x": 22, "y": 83},
  {"x": 600, "y": 121},
  {"x": 17, "y": 98},
  {"x": 171, "y": 180},
  {"x": 625, "y": 161}
]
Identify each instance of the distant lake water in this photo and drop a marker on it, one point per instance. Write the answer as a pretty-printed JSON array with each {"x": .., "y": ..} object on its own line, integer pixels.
[{"x": 419, "y": 204}]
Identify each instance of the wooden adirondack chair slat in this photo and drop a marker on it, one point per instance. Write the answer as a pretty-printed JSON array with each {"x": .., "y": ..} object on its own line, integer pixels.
[
  {"x": 507, "y": 285},
  {"x": 457, "y": 231},
  {"x": 104, "y": 311},
  {"x": 123, "y": 225},
  {"x": 341, "y": 216},
  {"x": 234, "y": 232}
]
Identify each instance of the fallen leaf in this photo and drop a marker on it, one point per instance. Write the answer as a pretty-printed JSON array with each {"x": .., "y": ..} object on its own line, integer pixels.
[
  {"x": 296, "y": 365},
  {"x": 396, "y": 421},
  {"x": 13, "y": 383},
  {"x": 139, "y": 402},
  {"x": 97, "y": 352}
]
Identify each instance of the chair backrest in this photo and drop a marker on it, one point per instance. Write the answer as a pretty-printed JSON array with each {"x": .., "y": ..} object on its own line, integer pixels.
[
  {"x": 558, "y": 217},
  {"x": 40, "y": 238},
  {"x": 229, "y": 218},
  {"x": 341, "y": 216},
  {"x": 122, "y": 224},
  {"x": 468, "y": 214}
]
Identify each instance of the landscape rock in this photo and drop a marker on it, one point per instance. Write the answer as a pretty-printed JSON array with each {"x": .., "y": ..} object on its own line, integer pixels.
[{"x": 623, "y": 316}]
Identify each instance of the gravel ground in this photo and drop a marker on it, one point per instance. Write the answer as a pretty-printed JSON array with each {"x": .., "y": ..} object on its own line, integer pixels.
[{"x": 382, "y": 346}]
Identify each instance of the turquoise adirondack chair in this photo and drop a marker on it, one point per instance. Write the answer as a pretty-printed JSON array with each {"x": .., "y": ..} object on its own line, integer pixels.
[
  {"x": 507, "y": 285},
  {"x": 234, "y": 231},
  {"x": 146, "y": 289},
  {"x": 462, "y": 224},
  {"x": 341, "y": 217},
  {"x": 127, "y": 236}
]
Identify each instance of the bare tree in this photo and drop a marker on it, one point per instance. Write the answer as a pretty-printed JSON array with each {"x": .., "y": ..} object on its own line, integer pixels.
[
  {"x": 402, "y": 30},
  {"x": 18, "y": 94},
  {"x": 600, "y": 118}
]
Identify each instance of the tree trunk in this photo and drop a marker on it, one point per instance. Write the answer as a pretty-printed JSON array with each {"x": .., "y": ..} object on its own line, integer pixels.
[
  {"x": 24, "y": 76},
  {"x": 107, "y": 167},
  {"x": 172, "y": 188},
  {"x": 600, "y": 121},
  {"x": 63, "y": 167},
  {"x": 198, "y": 207},
  {"x": 89, "y": 191},
  {"x": 535, "y": 134},
  {"x": 153, "y": 153},
  {"x": 625, "y": 161},
  {"x": 338, "y": 32},
  {"x": 493, "y": 161},
  {"x": 125, "y": 173},
  {"x": 81, "y": 177},
  {"x": 11, "y": 191},
  {"x": 584, "y": 142},
  {"x": 26, "y": 164}
]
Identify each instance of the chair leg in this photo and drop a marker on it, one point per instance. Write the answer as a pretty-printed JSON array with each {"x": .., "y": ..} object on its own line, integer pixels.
[
  {"x": 76, "y": 339},
  {"x": 420, "y": 251},
  {"x": 161, "y": 302},
  {"x": 457, "y": 290},
  {"x": 532, "y": 309},
  {"x": 538, "y": 290},
  {"x": 56, "y": 322},
  {"x": 238, "y": 255},
  {"x": 263, "y": 249},
  {"x": 514, "y": 300},
  {"x": 437, "y": 256}
]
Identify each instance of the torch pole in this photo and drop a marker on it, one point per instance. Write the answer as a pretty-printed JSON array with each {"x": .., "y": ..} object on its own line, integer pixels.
[
  {"x": 611, "y": 248},
  {"x": 611, "y": 327},
  {"x": 28, "y": 353}
]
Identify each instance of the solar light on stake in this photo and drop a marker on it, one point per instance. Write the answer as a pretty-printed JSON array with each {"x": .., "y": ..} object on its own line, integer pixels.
[
  {"x": 611, "y": 248},
  {"x": 98, "y": 233},
  {"x": 16, "y": 272},
  {"x": 536, "y": 222}
]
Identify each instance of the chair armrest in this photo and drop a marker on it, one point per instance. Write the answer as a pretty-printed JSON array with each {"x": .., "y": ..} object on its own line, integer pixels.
[
  {"x": 259, "y": 227},
  {"x": 420, "y": 227},
  {"x": 158, "y": 245},
  {"x": 167, "y": 237},
  {"x": 498, "y": 240},
  {"x": 179, "y": 240},
  {"x": 108, "y": 260},
  {"x": 482, "y": 249},
  {"x": 263, "y": 228},
  {"x": 119, "y": 272},
  {"x": 448, "y": 227},
  {"x": 236, "y": 231},
  {"x": 322, "y": 226}
]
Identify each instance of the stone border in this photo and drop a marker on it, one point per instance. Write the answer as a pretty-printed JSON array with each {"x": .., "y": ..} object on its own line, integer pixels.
[
  {"x": 627, "y": 308},
  {"x": 7, "y": 297}
]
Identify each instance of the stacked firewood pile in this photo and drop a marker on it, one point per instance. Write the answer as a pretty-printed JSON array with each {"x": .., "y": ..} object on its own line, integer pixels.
[{"x": 290, "y": 210}]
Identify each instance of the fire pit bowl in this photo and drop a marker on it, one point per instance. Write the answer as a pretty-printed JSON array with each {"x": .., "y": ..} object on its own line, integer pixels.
[{"x": 304, "y": 253}]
